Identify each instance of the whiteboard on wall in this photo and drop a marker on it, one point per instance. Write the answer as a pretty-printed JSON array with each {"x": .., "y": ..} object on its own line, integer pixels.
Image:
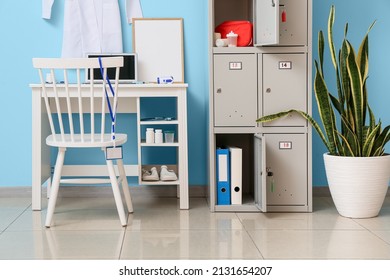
[{"x": 158, "y": 43}]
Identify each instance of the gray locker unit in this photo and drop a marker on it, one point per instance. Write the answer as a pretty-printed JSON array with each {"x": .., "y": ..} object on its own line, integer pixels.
[
  {"x": 235, "y": 90},
  {"x": 249, "y": 82}
]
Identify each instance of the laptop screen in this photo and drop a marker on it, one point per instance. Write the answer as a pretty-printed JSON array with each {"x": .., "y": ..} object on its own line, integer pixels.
[{"x": 127, "y": 74}]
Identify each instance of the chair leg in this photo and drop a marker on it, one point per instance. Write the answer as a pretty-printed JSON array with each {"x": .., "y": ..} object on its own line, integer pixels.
[
  {"x": 125, "y": 185},
  {"x": 48, "y": 188},
  {"x": 55, "y": 186},
  {"x": 116, "y": 191}
]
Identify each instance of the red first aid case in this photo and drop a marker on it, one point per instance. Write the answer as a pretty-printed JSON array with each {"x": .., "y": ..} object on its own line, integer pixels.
[{"x": 244, "y": 29}]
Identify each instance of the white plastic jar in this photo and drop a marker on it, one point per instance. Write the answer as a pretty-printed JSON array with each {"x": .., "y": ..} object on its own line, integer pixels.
[
  {"x": 158, "y": 136},
  {"x": 149, "y": 135}
]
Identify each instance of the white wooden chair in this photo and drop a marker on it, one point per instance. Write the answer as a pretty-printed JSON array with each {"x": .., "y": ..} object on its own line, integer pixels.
[{"x": 64, "y": 101}]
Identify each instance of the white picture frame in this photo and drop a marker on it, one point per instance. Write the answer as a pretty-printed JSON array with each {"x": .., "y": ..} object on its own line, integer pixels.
[{"x": 158, "y": 43}]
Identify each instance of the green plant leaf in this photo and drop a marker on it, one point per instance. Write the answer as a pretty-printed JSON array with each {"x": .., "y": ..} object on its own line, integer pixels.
[
  {"x": 325, "y": 110},
  {"x": 313, "y": 123},
  {"x": 350, "y": 138},
  {"x": 347, "y": 145},
  {"x": 330, "y": 35},
  {"x": 382, "y": 139},
  {"x": 369, "y": 141},
  {"x": 357, "y": 93},
  {"x": 346, "y": 88},
  {"x": 273, "y": 117},
  {"x": 321, "y": 43},
  {"x": 336, "y": 103},
  {"x": 372, "y": 117}
]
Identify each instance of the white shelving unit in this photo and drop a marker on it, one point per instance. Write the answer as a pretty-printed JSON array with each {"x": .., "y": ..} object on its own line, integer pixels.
[{"x": 179, "y": 122}]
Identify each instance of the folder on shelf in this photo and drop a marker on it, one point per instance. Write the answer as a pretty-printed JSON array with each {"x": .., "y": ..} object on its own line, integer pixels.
[
  {"x": 223, "y": 177},
  {"x": 235, "y": 175}
]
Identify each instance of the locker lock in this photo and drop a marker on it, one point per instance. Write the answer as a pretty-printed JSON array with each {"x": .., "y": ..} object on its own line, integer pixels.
[
  {"x": 219, "y": 90},
  {"x": 271, "y": 175},
  {"x": 268, "y": 90}
]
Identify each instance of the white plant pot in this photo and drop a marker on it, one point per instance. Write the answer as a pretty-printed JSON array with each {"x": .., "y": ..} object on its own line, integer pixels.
[{"x": 358, "y": 185}]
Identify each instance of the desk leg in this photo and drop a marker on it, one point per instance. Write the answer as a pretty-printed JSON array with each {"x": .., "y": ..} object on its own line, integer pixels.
[
  {"x": 41, "y": 170},
  {"x": 183, "y": 150}
]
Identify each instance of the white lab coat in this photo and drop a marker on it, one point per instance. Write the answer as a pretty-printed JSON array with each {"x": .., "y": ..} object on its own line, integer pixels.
[{"x": 92, "y": 26}]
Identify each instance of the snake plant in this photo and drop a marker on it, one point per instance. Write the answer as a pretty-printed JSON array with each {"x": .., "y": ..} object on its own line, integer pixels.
[{"x": 357, "y": 134}]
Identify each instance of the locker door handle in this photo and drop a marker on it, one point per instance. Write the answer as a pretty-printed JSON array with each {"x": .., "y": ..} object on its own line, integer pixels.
[{"x": 219, "y": 90}]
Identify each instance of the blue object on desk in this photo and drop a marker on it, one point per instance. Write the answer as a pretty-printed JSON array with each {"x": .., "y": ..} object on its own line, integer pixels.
[{"x": 165, "y": 80}]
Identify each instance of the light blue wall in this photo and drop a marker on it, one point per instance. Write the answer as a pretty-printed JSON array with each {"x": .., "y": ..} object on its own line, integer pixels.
[{"x": 25, "y": 35}]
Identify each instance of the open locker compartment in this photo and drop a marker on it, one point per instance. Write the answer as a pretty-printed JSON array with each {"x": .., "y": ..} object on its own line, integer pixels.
[
  {"x": 275, "y": 22},
  {"x": 225, "y": 10},
  {"x": 249, "y": 195},
  {"x": 274, "y": 172},
  {"x": 280, "y": 22}
]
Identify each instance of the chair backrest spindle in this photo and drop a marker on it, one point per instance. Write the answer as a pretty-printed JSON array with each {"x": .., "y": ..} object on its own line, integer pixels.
[
  {"x": 47, "y": 103},
  {"x": 58, "y": 105},
  {"x": 103, "y": 124},
  {"x": 69, "y": 105},
  {"x": 92, "y": 102}
]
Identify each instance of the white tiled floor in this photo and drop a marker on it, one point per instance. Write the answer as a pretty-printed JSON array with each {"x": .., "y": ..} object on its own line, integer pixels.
[{"x": 88, "y": 228}]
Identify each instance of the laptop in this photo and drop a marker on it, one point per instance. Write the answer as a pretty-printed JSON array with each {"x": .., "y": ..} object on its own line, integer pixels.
[{"x": 128, "y": 73}]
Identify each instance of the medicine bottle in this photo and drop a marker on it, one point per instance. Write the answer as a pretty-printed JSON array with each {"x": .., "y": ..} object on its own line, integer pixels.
[
  {"x": 158, "y": 136},
  {"x": 149, "y": 135}
]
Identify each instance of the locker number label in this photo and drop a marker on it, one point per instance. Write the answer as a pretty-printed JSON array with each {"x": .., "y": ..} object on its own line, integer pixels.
[
  {"x": 285, "y": 145},
  {"x": 235, "y": 65},
  {"x": 285, "y": 65}
]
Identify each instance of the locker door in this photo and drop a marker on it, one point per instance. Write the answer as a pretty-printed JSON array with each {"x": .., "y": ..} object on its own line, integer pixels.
[
  {"x": 287, "y": 169},
  {"x": 235, "y": 90},
  {"x": 260, "y": 172},
  {"x": 284, "y": 87},
  {"x": 266, "y": 22}
]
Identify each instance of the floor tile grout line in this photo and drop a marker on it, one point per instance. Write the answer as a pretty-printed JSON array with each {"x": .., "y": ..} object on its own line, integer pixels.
[
  {"x": 24, "y": 211},
  {"x": 123, "y": 239},
  {"x": 377, "y": 236},
  {"x": 373, "y": 232},
  {"x": 250, "y": 236}
]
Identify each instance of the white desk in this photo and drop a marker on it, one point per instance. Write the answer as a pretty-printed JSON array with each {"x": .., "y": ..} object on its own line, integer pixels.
[{"x": 128, "y": 93}]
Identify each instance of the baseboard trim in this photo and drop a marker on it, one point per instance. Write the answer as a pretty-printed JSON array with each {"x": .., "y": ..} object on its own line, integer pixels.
[
  {"x": 155, "y": 191},
  {"x": 104, "y": 191}
]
